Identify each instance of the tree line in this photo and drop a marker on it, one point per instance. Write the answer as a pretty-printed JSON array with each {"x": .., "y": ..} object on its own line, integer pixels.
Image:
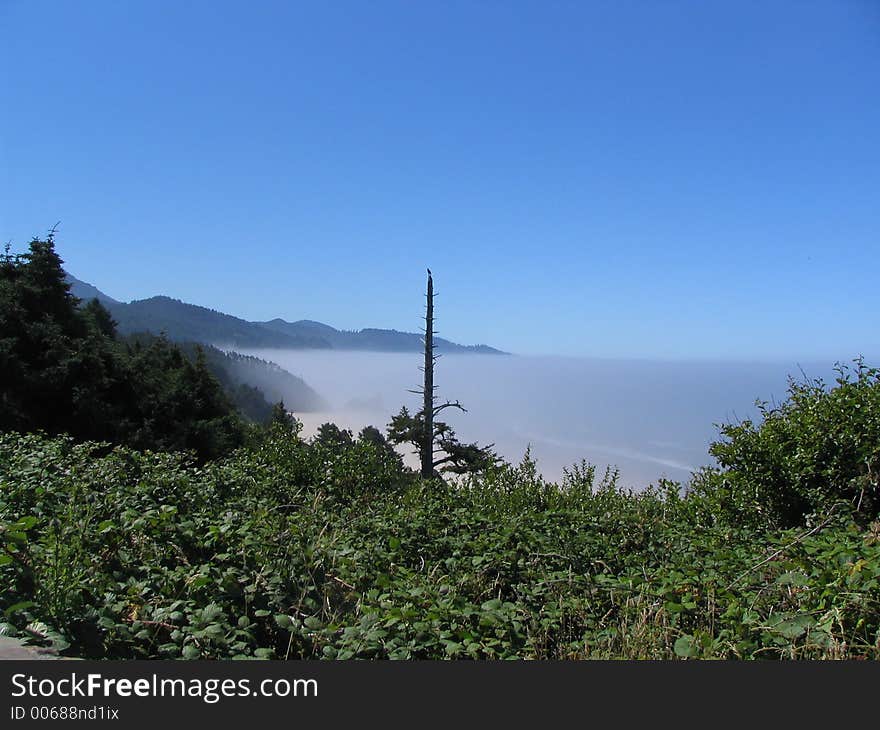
[{"x": 63, "y": 369}]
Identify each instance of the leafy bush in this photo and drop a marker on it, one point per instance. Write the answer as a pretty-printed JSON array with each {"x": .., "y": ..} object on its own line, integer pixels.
[
  {"x": 298, "y": 549},
  {"x": 818, "y": 449}
]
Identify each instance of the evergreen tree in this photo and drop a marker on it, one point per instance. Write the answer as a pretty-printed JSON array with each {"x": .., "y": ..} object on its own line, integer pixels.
[
  {"x": 280, "y": 415},
  {"x": 330, "y": 434},
  {"x": 62, "y": 370},
  {"x": 283, "y": 419},
  {"x": 39, "y": 329},
  {"x": 99, "y": 317},
  {"x": 372, "y": 435}
]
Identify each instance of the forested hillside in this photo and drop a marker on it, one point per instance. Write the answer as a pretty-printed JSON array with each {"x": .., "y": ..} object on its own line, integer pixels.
[
  {"x": 372, "y": 339},
  {"x": 65, "y": 371},
  {"x": 187, "y": 322},
  {"x": 252, "y": 384}
]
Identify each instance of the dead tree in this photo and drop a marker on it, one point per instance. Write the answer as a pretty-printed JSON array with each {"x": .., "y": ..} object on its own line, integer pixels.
[
  {"x": 431, "y": 437},
  {"x": 428, "y": 387}
]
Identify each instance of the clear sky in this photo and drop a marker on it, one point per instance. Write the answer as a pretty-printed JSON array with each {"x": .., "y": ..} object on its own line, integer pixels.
[{"x": 645, "y": 179}]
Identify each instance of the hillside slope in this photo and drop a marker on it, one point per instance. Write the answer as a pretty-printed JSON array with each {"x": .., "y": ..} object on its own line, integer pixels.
[{"x": 182, "y": 322}]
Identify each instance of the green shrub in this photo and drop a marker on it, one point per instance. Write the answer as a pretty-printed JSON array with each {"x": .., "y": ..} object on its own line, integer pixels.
[
  {"x": 820, "y": 448},
  {"x": 332, "y": 548},
  {"x": 295, "y": 549}
]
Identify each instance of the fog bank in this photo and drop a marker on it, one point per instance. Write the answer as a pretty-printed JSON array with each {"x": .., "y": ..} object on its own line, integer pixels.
[{"x": 650, "y": 418}]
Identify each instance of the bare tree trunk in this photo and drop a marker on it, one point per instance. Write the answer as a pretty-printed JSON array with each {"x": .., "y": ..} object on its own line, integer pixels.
[{"x": 428, "y": 444}]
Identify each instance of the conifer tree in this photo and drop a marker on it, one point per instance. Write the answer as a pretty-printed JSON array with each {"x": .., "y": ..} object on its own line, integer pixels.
[{"x": 63, "y": 371}]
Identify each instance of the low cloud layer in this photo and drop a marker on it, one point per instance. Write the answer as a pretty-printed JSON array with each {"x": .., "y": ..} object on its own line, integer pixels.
[{"x": 649, "y": 418}]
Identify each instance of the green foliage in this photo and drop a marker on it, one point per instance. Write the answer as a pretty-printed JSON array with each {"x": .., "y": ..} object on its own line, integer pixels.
[
  {"x": 298, "y": 549},
  {"x": 236, "y": 371},
  {"x": 100, "y": 319},
  {"x": 282, "y": 418},
  {"x": 179, "y": 405},
  {"x": 45, "y": 362},
  {"x": 249, "y": 382},
  {"x": 820, "y": 448},
  {"x": 62, "y": 370},
  {"x": 450, "y": 455},
  {"x": 329, "y": 434},
  {"x": 373, "y": 436}
]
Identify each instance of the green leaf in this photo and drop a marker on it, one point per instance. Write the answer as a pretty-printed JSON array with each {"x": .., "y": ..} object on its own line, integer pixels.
[
  {"x": 686, "y": 646},
  {"x": 794, "y": 628},
  {"x": 792, "y": 579},
  {"x": 789, "y": 629},
  {"x": 25, "y": 523},
  {"x": 20, "y": 606}
]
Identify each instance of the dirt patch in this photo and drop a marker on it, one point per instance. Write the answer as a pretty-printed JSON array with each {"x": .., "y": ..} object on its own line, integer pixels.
[{"x": 14, "y": 649}]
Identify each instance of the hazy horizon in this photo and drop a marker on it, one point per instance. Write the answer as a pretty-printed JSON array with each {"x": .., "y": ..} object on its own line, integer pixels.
[{"x": 650, "y": 418}]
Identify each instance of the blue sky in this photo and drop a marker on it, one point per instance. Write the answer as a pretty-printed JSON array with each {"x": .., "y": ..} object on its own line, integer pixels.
[{"x": 638, "y": 179}]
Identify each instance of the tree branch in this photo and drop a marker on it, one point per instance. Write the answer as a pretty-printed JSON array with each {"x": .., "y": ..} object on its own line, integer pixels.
[{"x": 449, "y": 404}]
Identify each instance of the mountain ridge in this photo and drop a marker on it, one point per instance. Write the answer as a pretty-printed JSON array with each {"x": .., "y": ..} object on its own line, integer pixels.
[{"x": 182, "y": 321}]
